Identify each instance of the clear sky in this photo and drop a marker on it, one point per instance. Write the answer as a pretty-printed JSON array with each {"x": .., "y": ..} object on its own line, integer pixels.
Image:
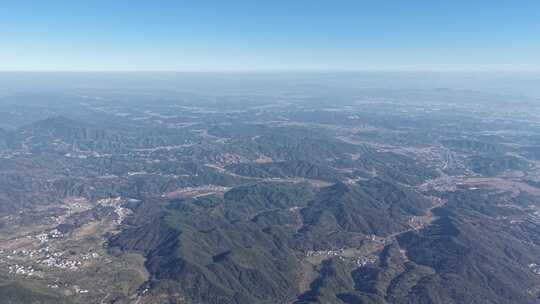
[{"x": 269, "y": 35}]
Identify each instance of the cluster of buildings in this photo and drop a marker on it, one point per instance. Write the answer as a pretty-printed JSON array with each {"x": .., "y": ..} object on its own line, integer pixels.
[
  {"x": 22, "y": 270},
  {"x": 313, "y": 253},
  {"x": 56, "y": 260},
  {"x": 535, "y": 268},
  {"x": 80, "y": 290},
  {"x": 27, "y": 253},
  {"x": 340, "y": 253},
  {"x": 361, "y": 262},
  {"x": 45, "y": 237},
  {"x": 47, "y": 259},
  {"x": 116, "y": 203},
  {"x": 89, "y": 256}
]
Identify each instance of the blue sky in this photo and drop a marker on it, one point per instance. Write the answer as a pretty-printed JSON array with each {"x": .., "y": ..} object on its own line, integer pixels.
[{"x": 269, "y": 35}]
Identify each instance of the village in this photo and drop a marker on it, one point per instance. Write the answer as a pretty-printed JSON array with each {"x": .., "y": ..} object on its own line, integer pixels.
[{"x": 45, "y": 253}]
